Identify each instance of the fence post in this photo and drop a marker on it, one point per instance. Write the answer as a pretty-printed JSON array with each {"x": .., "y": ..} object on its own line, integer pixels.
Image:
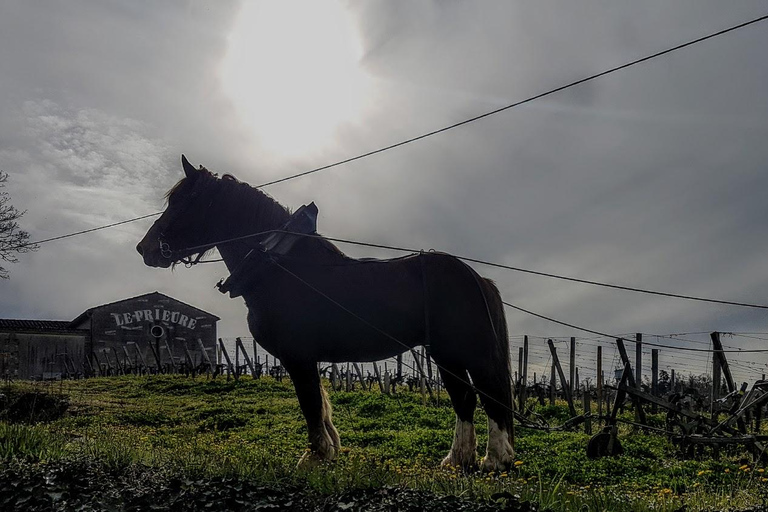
[
  {"x": 572, "y": 367},
  {"x": 205, "y": 356},
  {"x": 587, "y": 411},
  {"x": 716, "y": 380},
  {"x": 360, "y": 376},
  {"x": 552, "y": 385},
  {"x": 563, "y": 382},
  {"x": 524, "y": 389},
  {"x": 226, "y": 357},
  {"x": 654, "y": 377},
  {"x": 639, "y": 360},
  {"x": 378, "y": 376},
  {"x": 599, "y": 382},
  {"x": 639, "y": 412}
]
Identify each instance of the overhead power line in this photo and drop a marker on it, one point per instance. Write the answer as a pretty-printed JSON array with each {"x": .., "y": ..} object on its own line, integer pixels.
[
  {"x": 565, "y": 278},
  {"x": 647, "y": 343},
  {"x": 521, "y": 102},
  {"x": 449, "y": 127}
]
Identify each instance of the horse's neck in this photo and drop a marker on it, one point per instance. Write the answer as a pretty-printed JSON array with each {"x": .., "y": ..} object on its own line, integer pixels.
[{"x": 246, "y": 213}]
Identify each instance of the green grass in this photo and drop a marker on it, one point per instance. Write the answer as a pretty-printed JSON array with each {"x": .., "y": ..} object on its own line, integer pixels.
[{"x": 253, "y": 429}]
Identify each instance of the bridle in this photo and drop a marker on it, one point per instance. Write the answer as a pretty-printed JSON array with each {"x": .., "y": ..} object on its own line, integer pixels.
[{"x": 190, "y": 259}]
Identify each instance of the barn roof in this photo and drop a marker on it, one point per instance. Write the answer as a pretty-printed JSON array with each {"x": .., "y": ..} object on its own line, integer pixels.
[
  {"x": 89, "y": 312},
  {"x": 56, "y": 326}
]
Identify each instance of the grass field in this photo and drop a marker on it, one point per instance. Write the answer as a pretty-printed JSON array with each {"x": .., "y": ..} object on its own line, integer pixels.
[{"x": 252, "y": 431}]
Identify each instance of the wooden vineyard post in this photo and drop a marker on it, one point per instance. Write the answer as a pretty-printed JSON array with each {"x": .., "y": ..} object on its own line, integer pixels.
[
  {"x": 524, "y": 387},
  {"x": 378, "y": 376},
  {"x": 552, "y": 385},
  {"x": 170, "y": 355},
  {"x": 248, "y": 362},
  {"x": 349, "y": 379},
  {"x": 672, "y": 380},
  {"x": 153, "y": 348},
  {"x": 257, "y": 364},
  {"x": 420, "y": 369},
  {"x": 716, "y": 381},
  {"x": 639, "y": 360},
  {"x": 587, "y": 411},
  {"x": 599, "y": 382},
  {"x": 190, "y": 361},
  {"x": 226, "y": 357},
  {"x": 576, "y": 384},
  {"x": 360, "y": 376},
  {"x": 399, "y": 366},
  {"x": 128, "y": 359},
  {"x": 720, "y": 356},
  {"x": 205, "y": 357},
  {"x": 237, "y": 360},
  {"x": 561, "y": 374},
  {"x": 117, "y": 362},
  {"x": 334, "y": 377},
  {"x": 572, "y": 383},
  {"x": 141, "y": 356},
  {"x": 517, "y": 384},
  {"x": 98, "y": 363},
  {"x": 639, "y": 412},
  {"x": 654, "y": 377}
]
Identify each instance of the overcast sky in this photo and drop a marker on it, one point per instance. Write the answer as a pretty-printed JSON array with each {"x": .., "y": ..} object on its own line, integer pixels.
[{"x": 653, "y": 177}]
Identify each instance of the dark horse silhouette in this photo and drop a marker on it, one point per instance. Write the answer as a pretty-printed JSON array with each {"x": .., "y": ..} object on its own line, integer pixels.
[{"x": 317, "y": 304}]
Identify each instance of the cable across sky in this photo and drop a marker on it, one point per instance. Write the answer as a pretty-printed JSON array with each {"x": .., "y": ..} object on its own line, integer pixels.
[
  {"x": 449, "y": 127},
  {"x": 472, "y": 120}
]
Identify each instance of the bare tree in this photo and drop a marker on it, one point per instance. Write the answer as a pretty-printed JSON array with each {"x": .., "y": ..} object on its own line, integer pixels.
[{"x": 13, "y": 240}]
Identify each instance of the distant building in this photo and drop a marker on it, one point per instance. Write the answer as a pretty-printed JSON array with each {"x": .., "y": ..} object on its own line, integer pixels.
[{"x": 140, "y": 334}]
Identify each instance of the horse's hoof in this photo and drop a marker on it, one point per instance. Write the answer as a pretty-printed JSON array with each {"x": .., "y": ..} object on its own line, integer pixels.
[
  {"x": 497, "y": 465},
  {"x": 465, "y": 465},
  {"x": 311, "y": 460}
]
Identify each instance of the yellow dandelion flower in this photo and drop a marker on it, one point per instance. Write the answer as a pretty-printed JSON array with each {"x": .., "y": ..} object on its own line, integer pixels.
[
  {"x": 745, "y": 466},
  {"x": 696, "y": 484},
  {"x": 518, "y": 463},
  {"x": 747, "y": 470},
  {"x": 502, "y": 475},
  {"x": 763, "y": 479},
  {"x": 761, "y": 470},
  {"x": 727, "y": 470}
]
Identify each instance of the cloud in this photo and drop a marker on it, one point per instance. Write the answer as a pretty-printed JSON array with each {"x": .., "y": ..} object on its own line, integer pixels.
[{"x": 652, "y": 177}]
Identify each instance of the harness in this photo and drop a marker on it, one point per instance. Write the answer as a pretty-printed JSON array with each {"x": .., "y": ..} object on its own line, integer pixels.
[{"x": 274, "y": 247}]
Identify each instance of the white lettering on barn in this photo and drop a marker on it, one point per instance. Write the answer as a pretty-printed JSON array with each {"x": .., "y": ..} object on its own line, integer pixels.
[{"x": 149, "y": 315}]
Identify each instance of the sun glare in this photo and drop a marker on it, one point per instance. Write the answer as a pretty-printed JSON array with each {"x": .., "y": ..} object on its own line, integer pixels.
[{"x": 292, "y": 72}]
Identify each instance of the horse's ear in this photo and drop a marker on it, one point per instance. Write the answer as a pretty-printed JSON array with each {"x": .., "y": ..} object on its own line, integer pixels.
[{"x": 189, "y": 170}]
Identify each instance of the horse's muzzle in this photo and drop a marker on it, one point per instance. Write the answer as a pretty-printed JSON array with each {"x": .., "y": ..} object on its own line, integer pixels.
[{"x": 152, "y": 255}]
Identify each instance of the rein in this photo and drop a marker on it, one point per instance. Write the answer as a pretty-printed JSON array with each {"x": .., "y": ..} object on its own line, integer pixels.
[{"x": 188, "y": 261}]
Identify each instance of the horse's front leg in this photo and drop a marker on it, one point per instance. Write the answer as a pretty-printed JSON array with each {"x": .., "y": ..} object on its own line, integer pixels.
[{"x": 324, "y": 442}]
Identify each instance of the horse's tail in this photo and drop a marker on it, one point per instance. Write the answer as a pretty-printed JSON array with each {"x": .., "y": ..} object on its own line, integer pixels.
[{"x": 500, "y": 361}]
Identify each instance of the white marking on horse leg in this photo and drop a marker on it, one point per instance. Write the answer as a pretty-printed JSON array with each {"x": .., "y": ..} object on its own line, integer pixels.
[
  {"x": 333, "y": 434},
  {"x": 499, "y": 455},
  {"x": 464, "y": 449},
  {"x": 323, "y": 438}
]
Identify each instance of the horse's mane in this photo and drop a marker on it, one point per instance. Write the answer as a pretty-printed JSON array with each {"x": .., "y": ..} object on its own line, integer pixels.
[{"x": 264, "y": 210}]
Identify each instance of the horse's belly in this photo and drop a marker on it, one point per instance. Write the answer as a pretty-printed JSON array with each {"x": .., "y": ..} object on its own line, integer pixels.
[{"x": 352, "y": 317}]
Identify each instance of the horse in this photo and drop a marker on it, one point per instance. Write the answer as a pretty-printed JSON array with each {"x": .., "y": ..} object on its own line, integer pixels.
[{"x": 315, "y": 303}]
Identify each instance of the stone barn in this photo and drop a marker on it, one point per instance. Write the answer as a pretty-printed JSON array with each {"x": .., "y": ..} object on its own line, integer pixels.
[{"x": 148, "y": 333}]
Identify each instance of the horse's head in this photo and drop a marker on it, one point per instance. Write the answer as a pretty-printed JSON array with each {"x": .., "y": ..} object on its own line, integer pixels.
[{"x": 180, "y": 231}]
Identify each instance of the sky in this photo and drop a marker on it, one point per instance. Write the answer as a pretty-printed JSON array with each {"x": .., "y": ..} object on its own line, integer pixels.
[{"x": 652, "y": 177}]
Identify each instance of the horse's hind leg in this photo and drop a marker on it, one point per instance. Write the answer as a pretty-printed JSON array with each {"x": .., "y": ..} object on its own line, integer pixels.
[
  {"x": 324, "y": 442},
  {"x": 464, "y": 448},
  {"x": 496, "y": 395}
]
